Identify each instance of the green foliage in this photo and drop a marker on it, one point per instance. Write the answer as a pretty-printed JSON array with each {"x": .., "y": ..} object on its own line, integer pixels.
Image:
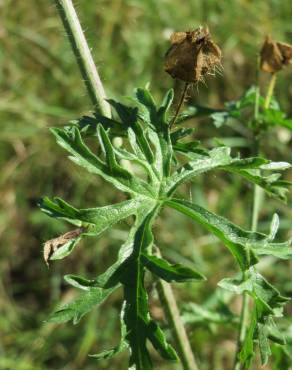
[
  {"x": 268, "y": 303},
  {"x": 149, "y": 145},
  {"x": 240, "y": 110}
]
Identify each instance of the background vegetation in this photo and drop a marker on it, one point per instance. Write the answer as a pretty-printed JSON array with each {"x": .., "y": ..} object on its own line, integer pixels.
[{"x": 41, "y": 87}]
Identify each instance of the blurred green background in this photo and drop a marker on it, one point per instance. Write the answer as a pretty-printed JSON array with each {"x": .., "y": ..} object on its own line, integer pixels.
[{"x": 41, "y": 87}]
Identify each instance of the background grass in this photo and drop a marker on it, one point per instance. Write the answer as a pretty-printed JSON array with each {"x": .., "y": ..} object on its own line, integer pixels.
[{"x": 41, "y": 87}]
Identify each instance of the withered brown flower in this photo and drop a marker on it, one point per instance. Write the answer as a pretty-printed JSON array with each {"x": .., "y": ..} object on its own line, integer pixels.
[
  {"x": 275, "y": 55},
  {"x": 192, "y": 55}
]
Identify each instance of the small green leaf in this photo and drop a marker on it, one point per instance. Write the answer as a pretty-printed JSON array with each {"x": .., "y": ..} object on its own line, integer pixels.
[
  {"x": 265, "y": 350},
  {"x": 166, "y": 103},
  {"x": 76, "y": 309},
  {"x": 216, "y": 158},
  {"x": 159, "y": 342},
  {"x": 71, "y": 141},
  {"x": 235, "y": 285},
  {"x": 145, "y": 98},
  {"x": 279, "y": 250},
  {"x": 271, "y": 184},
  {"x": 276, "y": 166},
  {"x": 196, "y": 111},
  {"x": 247, "y": 352},
  {"x": 274, "y": 333},
  {"x": 114, "y": 168},
  {"x": 274, "y": 226},
  {"x": 128, "y": 115},
  {"x": 65, "y": 249},
  {"x": 58, "y": 208},
  {"x": 220, "y": 118},
  {"x": 191, "y": 147},
  {"x": 169, "y": 272},
  {"x": 267, "y": 298},
  {"x": 88, "y": 125},
  {"x": 79, "y": 282},
  {"x": 96, "y": 220},
  {"x": 194, "y": 313},
  {"x": 179, "y": 134}
]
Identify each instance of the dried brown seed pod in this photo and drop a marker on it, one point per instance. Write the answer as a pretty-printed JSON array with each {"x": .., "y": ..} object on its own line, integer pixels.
[
  {"x": 275, "y": 55},
  {"x": 192, "y": 55}
]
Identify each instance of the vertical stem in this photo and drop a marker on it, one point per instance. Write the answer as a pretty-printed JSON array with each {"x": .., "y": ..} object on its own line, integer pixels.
[
  {"x": 171, "y": 310},
  {"x": 270, "y": 91},
  {"x": 244, "y": 315},
  {"x": 257, "y": 201},
  {"x": 257, "y": 97},
  {"x": 83, "y": 56},
  {"x": 243, "y": 327}
]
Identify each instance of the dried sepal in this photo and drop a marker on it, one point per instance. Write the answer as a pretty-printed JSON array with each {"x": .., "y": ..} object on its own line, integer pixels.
[
  {"x": 177, "y": 37},
  {"x": 192, "y": 55},
  {"x": 52, "y": 245},
  {"x": 275, "y": 55}
]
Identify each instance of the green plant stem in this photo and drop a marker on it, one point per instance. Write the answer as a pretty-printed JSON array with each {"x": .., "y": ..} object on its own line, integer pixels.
[
  {"x": 257, "y": 201},
  {"x": 171, "y": 310},
  {"x": 257, "y": 95},
  {"x": 83, "y": 56},
  {"x": 270, "y": 91},
  {"x": 244, "y": 314}
]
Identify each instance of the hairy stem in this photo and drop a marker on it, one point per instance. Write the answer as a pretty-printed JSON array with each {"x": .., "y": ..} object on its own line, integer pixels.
[
  {"x": 171, "y": 310},
  {"x": 180, "y": 104},
  {"x": 83, "y": 56}
]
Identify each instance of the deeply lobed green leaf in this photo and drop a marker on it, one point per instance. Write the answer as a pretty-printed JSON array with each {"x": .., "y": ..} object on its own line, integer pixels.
[{"x": 149, "y": 144}]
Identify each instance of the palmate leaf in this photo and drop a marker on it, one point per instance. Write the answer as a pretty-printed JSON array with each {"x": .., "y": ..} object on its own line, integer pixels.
[{"x": 149, "y": 145}]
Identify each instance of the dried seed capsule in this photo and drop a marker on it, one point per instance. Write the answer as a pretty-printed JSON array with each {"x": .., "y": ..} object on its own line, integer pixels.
[
  {"x": 275, "y": 55},
  {"x": 192, "y": 55}
]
